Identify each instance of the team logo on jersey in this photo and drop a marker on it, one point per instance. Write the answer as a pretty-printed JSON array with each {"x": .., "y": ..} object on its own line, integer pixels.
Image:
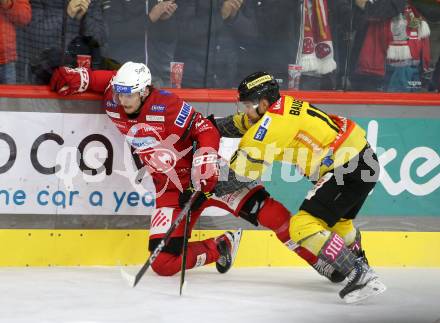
[
  {"x": 161, "y": 220},
  {"x": 201, "y": 259},
  {"x": 277, "y": 107},
  {"x": 260, "y": 134},
  {"x": 161, "y": 159},
  {"x": 157, "y": 154},
  {"x": 183, "y": 115},
  {"x": 327, "y": 161},
  {"x": 202, "y": 125},
  {"x": 309, "y": 141},
  {"x": 155, "y": 118},
  {"x": 110, "y": 104},
  {"x": 157, "y": 108},
  {"x": 142, "y": 142},
  {"x": 155, "y": 127},
  {"x": 262, "y": 129}
]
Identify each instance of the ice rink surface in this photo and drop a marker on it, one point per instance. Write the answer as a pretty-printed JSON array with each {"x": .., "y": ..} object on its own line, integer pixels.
[{"x": 99, "y": 294}]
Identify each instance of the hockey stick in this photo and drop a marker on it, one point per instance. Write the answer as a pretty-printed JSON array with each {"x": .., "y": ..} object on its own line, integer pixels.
[
  {"x": 184, "y": 251},
  {"x": 135, "y": 280},
  {"x": 187, "y": 225}
]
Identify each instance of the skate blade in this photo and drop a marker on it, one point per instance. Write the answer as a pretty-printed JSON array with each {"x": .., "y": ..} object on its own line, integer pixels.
[
  {"x": 373, "y": 287},
  {"x": 234, "y": 252}
]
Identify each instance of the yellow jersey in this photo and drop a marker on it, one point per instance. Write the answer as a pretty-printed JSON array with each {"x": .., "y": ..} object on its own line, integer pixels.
[{"x": 296, "y": 132}]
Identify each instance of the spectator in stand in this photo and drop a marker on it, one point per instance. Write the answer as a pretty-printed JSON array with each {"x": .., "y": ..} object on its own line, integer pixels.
[
  {"x": 55, "y": 23},
  {"x": 12, "y": 13},
  {"x": 324, "y": 45},
  {"x": 365, "y": 12},
  {"x": 152, "y": 37},
  {"x": 76, "y": 9},
  {"x": 430, "y": 9},
  {"x": 408, "y": 53},
  {"x": 162, "y": 32},
  {"x": 307, "y": 33},
  {"x": 126, "y": 23},
  {"x": 232, "y": 24},
  {"x": 211, "y": 41},
  {"x": 277, "y": 39}
]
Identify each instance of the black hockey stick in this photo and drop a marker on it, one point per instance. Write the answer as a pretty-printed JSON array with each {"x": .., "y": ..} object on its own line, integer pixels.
[
  {"x": 187, "y": 225},
  {"x": 184, "y": 251},
  {"x": 162, "y": 242}
]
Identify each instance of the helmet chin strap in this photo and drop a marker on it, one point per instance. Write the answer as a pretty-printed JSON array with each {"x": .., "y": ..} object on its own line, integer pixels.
[
  {"x": 255, "y": 106},
  {"x": 144, "y": 95},
  {"x": 260, "y": 115}
]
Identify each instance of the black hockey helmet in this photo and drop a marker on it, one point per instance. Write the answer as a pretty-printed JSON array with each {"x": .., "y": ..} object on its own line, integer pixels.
[{"x": 257, "y": 86}]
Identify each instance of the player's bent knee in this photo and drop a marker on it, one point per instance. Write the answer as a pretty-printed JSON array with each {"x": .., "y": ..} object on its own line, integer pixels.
[
  {"x": 346, "y": 230},
  {"x": 303, "y": 225},
  {"x": 166, "y": 264},
  {"x": 273, "y": 214}
]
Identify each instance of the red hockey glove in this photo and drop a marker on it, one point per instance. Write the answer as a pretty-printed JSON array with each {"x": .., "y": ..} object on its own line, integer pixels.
[
  {"x": 66, "y": 80},
  {"x": 205, "y": 171}
]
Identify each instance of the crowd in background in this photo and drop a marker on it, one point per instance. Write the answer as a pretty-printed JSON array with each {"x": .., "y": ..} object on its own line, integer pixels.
[{"x": 359, "y": 45}]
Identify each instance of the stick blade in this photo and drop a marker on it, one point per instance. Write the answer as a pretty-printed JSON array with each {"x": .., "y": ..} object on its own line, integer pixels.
[{"x": 130, "y": 279}]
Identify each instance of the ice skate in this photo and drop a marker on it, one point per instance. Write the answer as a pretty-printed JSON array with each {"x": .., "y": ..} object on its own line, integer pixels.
[
  {"x": 362, "y": 283},
  {"x": 227, "y": 245}
]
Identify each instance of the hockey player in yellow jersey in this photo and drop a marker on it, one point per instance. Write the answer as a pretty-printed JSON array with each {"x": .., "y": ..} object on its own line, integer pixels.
[{"x": 333, "y": 153}]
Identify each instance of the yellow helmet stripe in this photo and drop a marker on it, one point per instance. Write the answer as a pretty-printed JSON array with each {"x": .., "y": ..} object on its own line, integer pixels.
[{"x": 259, "y": 81}]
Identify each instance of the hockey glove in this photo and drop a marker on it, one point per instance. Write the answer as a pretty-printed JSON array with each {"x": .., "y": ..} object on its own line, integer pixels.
[
  {"x": 186, "y": 195},
  {"x": 204, "y": 172},
  {"x": 66, "y": 80}
]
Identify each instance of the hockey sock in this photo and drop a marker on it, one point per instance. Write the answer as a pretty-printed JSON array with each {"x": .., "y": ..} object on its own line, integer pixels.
[
  {"x": 200, "y": 253},
  {"x": 275, "y": 216},
  {"x": 335, "y": 252}
]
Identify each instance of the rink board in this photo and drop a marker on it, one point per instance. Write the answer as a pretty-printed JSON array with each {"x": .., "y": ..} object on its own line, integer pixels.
[
  {"x": 37, "y": 229},
  {"x": 43, "y": 247}
]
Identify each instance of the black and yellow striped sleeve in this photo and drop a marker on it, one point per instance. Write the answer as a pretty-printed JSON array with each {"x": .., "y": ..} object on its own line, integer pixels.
[{"x": 233, "y": 126}]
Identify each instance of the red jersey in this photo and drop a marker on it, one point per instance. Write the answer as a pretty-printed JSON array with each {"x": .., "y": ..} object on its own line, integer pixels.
[{"x": 162, "y": 135}]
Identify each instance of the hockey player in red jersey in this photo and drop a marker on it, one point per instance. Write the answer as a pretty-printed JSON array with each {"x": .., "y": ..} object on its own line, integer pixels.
[{"x": 161, "y": 129}]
